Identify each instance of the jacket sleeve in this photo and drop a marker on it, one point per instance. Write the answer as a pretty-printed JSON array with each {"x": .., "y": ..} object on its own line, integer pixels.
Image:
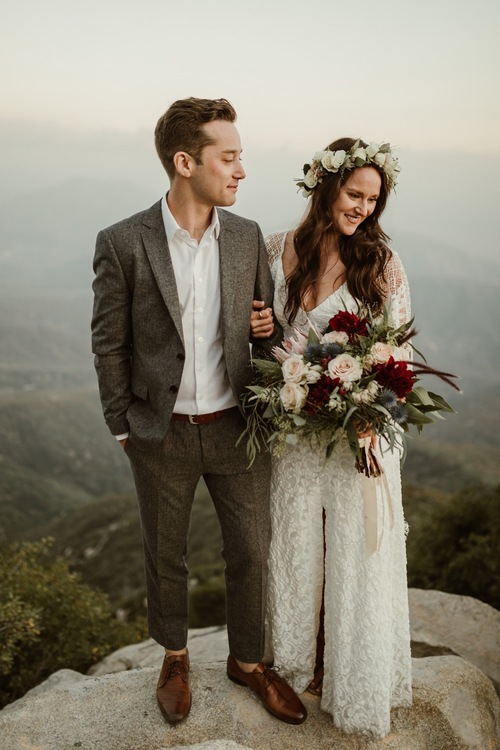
[
  {"x": 112, "y": 334},
  {"x": 264, "y": 290}
]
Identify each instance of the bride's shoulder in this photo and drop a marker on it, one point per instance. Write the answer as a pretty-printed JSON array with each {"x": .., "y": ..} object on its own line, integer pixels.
[
  {"x": 393, "y": 264},
  {"x": 275, "y": 244}
]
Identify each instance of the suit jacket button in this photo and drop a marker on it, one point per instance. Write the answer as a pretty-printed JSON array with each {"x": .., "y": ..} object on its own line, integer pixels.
[
  {"x": 174, "y": 388},
  {"x": 181, "y": 356}
]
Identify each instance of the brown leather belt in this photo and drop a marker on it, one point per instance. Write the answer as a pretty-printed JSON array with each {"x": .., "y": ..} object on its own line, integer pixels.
[{"x": 202, "y": 418}]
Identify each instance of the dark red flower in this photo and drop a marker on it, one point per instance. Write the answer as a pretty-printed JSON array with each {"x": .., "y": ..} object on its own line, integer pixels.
[
  {"x": 319, "y": 394},
  {"x": 395, "y": 375},
  {"x": 350, "y": 323}
]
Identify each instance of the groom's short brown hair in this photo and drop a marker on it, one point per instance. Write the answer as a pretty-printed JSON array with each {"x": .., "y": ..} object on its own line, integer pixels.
[{"x": 180, "y": 128}]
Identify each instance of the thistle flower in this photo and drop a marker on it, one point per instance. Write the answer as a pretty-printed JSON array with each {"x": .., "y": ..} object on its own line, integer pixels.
[
  {"x": 399, "y": 413},
  {"x": 313, "y": 352},
  {"x": 331, "y": 350},
  {"x": 387, "y": 398}
]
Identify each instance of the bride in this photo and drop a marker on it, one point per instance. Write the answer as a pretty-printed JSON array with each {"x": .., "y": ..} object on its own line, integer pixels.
[{"x": 338, "y": 621}]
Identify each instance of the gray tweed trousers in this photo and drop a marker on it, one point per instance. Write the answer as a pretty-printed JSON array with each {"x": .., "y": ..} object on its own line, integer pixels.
[{"x": 166, "y": 480}]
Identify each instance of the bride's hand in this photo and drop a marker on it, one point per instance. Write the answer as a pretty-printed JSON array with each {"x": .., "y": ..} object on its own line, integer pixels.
[{"x": 261, "y": 320}]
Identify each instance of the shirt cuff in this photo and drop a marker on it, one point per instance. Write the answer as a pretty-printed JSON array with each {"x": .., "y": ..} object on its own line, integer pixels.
[{"x": 122, "y": 436}]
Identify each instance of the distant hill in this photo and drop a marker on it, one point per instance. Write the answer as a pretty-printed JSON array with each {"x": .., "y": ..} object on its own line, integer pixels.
[
  {"x": 47, "y": 237},
  {"x": 55, "y": 454}
]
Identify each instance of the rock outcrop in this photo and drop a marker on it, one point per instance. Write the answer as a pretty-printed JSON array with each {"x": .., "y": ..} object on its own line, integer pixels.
[
  {"x": 449, "y": 624},
  {"x": 114, "y": 708},
  {"x": 455, "y": 708}
]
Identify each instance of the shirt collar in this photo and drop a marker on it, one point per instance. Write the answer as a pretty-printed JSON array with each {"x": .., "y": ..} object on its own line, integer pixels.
[{"x": 172, "y": 227}]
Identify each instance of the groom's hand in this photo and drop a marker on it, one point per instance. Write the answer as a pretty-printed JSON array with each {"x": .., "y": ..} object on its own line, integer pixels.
[{"x": 261, "y": 320}]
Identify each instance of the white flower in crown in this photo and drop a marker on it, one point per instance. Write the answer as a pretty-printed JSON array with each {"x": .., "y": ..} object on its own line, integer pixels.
[
  {"x": 311, "y": 180},
  {"x": 333, "y": 160},
  {"x": 372, "y": 149},
  {"x": 358, "y": 156},
  {"x": 318, "y": 156}
]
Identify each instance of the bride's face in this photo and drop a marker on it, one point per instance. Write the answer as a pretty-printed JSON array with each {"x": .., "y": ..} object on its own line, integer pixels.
[{"x": 357, "y": 199}]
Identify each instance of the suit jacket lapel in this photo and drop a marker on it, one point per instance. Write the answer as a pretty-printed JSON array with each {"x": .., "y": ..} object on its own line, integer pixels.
[
  {"x": 156, "y": 246},
  {"x": 228, "y": 267}
]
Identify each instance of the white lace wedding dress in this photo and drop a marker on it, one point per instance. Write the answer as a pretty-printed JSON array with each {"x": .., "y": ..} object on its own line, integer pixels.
[{"x": 367, "y": 639}]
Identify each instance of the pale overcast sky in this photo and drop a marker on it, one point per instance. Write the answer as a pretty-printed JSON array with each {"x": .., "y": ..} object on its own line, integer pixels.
[
  {"x": 421, "y": 73},
  {"x": 83, "y": 84}
]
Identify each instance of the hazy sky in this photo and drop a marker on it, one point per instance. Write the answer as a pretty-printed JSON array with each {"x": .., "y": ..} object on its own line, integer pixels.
[
  {"x": 83, "y": 84},
  {"x": 420, "y": 73}
]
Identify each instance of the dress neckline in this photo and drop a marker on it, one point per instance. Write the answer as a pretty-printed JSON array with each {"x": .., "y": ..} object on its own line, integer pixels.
[{"x": 282, "y": 270}]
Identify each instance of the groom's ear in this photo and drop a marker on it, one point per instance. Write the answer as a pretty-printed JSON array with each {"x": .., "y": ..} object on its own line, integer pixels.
[{"x": 183, "y": 163}]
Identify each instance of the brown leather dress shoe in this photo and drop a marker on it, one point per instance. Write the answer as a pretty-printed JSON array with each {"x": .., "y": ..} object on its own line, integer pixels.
[
  {"x": 172, "y": 692},
  {"x": 275, "y": 694}
]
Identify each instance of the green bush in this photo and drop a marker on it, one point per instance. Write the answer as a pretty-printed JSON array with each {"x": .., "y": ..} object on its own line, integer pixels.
[
  {"x": 455, "y": 548},
  {"x": 50, "y": 620}
]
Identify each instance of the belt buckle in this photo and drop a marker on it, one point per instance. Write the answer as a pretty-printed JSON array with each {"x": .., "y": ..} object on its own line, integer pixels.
[{"x": 191, "y": 418}]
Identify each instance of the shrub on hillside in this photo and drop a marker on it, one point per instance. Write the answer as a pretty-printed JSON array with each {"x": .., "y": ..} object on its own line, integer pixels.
[
  {"x": 456, "y": 547},
  {"x": 50, "y": 620}
]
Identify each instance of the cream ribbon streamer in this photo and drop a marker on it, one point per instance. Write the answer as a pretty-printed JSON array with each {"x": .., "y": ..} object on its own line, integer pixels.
[{"x": 377, "y": 503}]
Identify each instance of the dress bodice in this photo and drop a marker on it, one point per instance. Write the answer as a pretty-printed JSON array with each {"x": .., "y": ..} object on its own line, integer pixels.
[{"x": 341, "y": 298}]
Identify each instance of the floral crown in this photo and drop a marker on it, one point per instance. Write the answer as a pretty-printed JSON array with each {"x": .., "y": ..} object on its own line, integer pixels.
[{"x": 338, "y": 161}]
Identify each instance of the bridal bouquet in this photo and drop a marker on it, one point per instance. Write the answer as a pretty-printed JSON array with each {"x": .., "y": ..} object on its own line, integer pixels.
[{"x": 355, "y": 379}]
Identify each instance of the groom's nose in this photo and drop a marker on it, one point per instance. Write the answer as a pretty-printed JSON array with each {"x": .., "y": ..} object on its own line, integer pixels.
[{"x": 239, "y": 172}]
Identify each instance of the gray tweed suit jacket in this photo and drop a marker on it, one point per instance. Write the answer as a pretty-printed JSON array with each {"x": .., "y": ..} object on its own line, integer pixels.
[{"x": 137, "y": 335}]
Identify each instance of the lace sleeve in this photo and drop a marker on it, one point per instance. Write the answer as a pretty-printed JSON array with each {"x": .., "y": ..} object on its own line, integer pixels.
[
  {"x": 398, "y": 290},
  {"x": 274, "y": 245}
]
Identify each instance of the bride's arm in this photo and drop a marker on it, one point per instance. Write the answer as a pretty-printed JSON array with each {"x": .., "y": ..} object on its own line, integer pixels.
[
  {"x": 398, "y": 290},
  {"x": 261, "y": 320}
]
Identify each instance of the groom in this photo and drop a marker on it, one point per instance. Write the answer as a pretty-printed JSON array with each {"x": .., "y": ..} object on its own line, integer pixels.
[{"x": 173, "y": 288}]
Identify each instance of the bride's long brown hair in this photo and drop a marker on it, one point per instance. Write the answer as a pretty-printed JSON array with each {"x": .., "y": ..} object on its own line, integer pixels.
[{"x": 364, "y": 254}]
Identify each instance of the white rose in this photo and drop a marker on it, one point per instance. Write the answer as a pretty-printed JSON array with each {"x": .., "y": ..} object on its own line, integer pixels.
[
  {"x": 294, "y": 369},
  {"x": 326, "y": 159},
  {"x": 381, "y": 352},
  {"x": 318, "y": 156},
  {"x": 293, "y": 396},
  {"x": 338, "y": 159},
  {"x": 335, "y": 337},
  {"x": 372, "y": 149},
  {"x": 345, "y": 367},
  {"x": 380, "y": 159},
  {"x": 313, "y": 373},
  {"x": 359, "y": 154},
  {"x": 310, "y": 179}
]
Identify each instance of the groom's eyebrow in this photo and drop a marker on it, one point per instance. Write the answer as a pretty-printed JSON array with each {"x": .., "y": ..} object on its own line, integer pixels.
[{"x": 232, "y": 151}]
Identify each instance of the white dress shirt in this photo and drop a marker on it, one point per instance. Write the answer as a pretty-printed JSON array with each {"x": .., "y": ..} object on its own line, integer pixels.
[{"x": 204, "y": 386}]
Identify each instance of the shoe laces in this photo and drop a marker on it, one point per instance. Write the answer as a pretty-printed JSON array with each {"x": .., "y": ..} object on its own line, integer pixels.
[
  {"x": 269, "y": 676},
  {"x": 176, "y": 667}
]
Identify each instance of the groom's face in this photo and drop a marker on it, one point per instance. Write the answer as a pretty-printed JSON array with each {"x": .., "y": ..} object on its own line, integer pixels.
[{"x": 215, "y": 181}]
